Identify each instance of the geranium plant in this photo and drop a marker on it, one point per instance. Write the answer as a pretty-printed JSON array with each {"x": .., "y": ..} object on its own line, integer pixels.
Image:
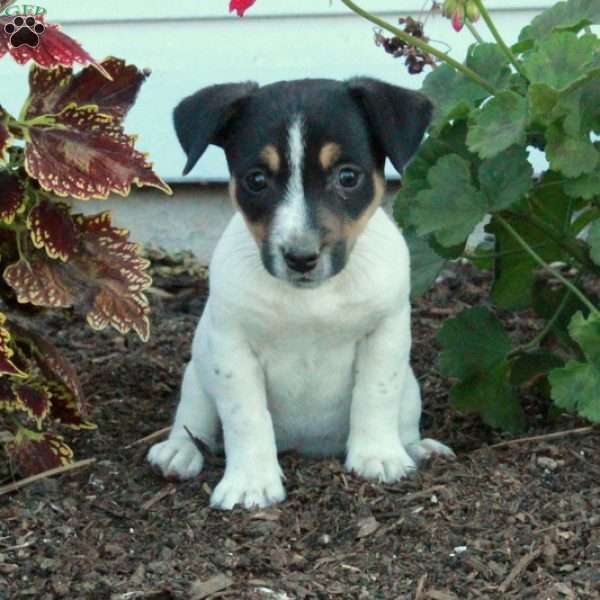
[
  {"x": 67, "y": 142},
  {"x": 492, "y": 110}
]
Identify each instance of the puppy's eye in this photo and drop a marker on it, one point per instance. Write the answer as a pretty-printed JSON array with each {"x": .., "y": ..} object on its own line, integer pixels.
[
  {"x": 256, "y": 181},
  {"x": 348, "y": 177}
]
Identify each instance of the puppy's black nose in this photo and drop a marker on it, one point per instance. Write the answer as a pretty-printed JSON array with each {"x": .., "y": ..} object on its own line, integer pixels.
[{"x": 303, "y": 263}]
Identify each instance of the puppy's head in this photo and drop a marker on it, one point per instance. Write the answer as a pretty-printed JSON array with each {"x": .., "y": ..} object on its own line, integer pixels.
[{"x": 306, "y": 160}]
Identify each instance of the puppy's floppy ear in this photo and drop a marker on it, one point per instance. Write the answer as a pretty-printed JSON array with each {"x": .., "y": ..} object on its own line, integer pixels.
[
  {"x": 201, "y": 119},
  {"x": 398, "y": 117}
]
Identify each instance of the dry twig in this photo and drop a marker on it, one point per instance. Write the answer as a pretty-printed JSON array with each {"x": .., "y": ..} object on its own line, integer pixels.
[{"x": 11, "y": 487}]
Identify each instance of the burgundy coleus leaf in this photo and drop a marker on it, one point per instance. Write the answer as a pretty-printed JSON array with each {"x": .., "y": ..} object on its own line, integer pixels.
[
  {"x": 37, "y": 452},
  {"x": 7, "y": 366},
  {"x": 8, "y": 399},
  {"x": 5, "y": 135},
  {"x": 240, "y": 6},
  {"x": 12, "y": 196},
  {"x": 33, "y": 400},
  {"x": 41, "y": 281},
  {"x": 53, "y": 229},
  {"x": 47, "y": 45},
  {"x": 120, "y": 273},
  {"x": 60, "y": 378},
  {"x": 83, "y": 153},
  {"x": 52, "y": 90},
  {"x": 105, "y": 274}
]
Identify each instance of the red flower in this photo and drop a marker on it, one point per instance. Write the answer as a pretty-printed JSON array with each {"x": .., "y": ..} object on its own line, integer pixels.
[{"x": 240, "y": 6}]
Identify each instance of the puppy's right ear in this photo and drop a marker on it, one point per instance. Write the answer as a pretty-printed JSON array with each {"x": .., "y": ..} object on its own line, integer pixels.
[{"x": 201, "y": 119}]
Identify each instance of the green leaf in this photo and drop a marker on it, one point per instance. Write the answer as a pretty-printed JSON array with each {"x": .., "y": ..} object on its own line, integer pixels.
[
  {"x": 492, "y": 396},
  {"x": 576, "y": 386},
  {"x": 505, "y": 178},
  {"x": 425, "y": 264},
  {"x": 499, "y": 124},
  {"x": 572, "y": 156},
  {"x": 573, "y": 15},
  {"x": 453, "y": 206},
  {"x": 542, "y": 101},
  {"x": 533, "y": 364},
  {"x": 561, "y": 59},
  {"x": 593, "y": 240},
  {"x": 473, "y": 343},
  {"x": 515, "y": 270},
  {"x": 454, "y": 95},
  {"x": 546, "y": 300},
  {"x": 586, "y": 186}
]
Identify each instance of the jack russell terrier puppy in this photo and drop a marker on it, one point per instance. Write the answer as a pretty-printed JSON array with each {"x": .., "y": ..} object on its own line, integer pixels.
[{"x": 304, "y": 342}]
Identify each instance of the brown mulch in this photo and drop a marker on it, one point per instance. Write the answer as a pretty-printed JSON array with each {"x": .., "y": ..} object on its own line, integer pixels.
[{"x": 521, "y": 521}]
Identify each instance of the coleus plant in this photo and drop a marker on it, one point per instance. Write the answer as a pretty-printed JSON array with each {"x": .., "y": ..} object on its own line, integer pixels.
[
  {"x": 492, "y": 110},
  {"x": 67, "y": 142}
]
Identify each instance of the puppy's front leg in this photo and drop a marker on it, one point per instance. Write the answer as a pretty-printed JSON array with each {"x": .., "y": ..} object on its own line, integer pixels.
[
  {"x": 375, "y": 450},
  {"x": 252, "y": 473}
]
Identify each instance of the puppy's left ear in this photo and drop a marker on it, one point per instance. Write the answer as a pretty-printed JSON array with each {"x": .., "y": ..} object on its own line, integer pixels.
[{"x": 398, "y": 117}]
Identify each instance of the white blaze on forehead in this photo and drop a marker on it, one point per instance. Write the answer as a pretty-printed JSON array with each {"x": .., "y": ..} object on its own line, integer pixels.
[{"x": 290, "y": 224}]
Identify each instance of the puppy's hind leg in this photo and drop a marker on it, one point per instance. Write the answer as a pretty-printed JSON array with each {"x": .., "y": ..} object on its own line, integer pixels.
[
  {"x": 178, "y": 457},
  {"x": 410, "y": 416}
]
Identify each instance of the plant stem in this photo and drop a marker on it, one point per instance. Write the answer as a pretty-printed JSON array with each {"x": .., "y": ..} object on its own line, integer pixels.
[
  {"x": 418, "y": 43},
  {"x": 546, "y": 266},
  {"x": 537, "y": 340},
  {"x": 474, "y": 31},
  {"x": 564, "y": 242},
  {"x": 490, "y": 23}
]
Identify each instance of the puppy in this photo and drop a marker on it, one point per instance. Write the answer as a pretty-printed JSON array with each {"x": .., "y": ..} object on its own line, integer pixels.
[{"x": 305, "y": 339}]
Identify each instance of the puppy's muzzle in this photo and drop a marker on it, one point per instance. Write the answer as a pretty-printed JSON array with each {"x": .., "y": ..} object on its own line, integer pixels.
[{"x": 301, "y": 262}]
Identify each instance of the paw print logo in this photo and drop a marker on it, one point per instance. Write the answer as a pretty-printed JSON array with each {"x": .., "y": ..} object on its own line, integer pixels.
[{"x": 24, "y": 31}]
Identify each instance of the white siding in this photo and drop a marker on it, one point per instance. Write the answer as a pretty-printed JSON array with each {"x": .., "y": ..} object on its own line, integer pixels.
[{"x": 192, "y": 43}]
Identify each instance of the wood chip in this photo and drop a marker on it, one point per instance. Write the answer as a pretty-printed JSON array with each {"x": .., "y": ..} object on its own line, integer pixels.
[
  {"x": 367, "y": 527},
  {"x": 439, "y": 595},
  {"x": 203, "y": 589},
  {"x": 419, "y": 595},
  {"x": 166, "y": 491},
  {"x": 519, "y": 569}
]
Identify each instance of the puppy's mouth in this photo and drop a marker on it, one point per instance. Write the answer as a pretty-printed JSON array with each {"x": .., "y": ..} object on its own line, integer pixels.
[{"x": 330, "y": 261}]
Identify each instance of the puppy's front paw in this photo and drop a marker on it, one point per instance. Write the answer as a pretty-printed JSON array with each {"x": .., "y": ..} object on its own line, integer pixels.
[
  {"x": 428, "y": 448},
  {"x": 248, "y": 490},
  {"x": 176, "y": 458},
  {"x": 379, "y": 464}
]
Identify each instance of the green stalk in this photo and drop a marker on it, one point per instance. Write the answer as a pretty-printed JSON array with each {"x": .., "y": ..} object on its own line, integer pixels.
[
  {"x": 537, "y": 340},
  {"x": 474, "y": 31},
  {"x": 413, "y": 41},
  {"x": 565, "y": 243},
  {"x": 546, "y": 266},
  {"x": 490, "y": 23}
]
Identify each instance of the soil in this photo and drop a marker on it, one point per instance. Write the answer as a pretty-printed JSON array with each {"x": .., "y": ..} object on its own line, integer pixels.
[{"x": 521, "y": 521}]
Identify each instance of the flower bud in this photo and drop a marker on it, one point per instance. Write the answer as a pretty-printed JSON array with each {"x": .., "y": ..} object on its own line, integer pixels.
[
  {"x": 458, "y": 18},
  {"x": 472, "y": 12}
]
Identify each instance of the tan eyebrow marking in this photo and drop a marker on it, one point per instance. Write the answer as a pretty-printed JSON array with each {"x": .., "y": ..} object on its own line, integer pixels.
[
  {"x": 271, "y": 156},
  {"x": 328, "y": 154}
]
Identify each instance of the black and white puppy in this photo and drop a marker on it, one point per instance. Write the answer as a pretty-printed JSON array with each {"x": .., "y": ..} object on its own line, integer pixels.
[{"x": 305, "y": 339}]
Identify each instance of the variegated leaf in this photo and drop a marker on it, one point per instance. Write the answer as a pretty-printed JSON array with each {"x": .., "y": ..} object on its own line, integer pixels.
[
  {"x": 83, "y": 153},
  {"x": 37, "y": 452},
  {"x": 5, "y": 135},
  {"x": 52, "y": 228},
  {"x": 60, "y": 378},
  {"x": 41, "y": 281},
  {"x": 54, "y": 47},
  {"x": 33, "y": 400},
  {"x": 8, "y": 399},
  {"x": 12, "y": 196},
  {"x": 106, "y": 274},
  {"x": 7, "y": 366},
  {"x": 50, "y": 91}
]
